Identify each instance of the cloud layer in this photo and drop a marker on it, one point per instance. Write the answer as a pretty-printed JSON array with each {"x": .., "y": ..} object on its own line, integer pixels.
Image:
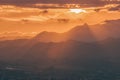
[{"x": 60, "y": 3}]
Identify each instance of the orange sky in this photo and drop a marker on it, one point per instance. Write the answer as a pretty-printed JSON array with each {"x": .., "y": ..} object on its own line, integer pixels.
[{"x": 27, "y": 19}]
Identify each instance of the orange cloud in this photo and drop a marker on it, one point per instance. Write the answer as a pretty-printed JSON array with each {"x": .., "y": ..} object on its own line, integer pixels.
[{"x": 26, "y": 19}]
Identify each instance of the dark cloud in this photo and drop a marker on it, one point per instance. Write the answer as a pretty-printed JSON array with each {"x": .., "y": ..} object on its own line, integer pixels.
[
  {"x": 117, "y": 8},
  {"x": 25, "y": 20},
  {"x": 60, "y": 2},
  {"x": 97, "y": 10},
  {"x": 47, "y": 1},
  {"x": 44, "y": 12},
  {"x": 63, "y": 20},
  {"x": 113, "y": 22}
]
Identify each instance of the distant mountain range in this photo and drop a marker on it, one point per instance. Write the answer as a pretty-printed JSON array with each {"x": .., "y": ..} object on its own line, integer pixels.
[
  {"x": 79, "y": 47},
  {"x": 84, "y": 33}
]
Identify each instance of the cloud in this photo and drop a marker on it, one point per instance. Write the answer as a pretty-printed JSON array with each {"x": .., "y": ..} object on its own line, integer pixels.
[
  {"x": 57, "y": 3},
  {"x": 47, "y": 1},
  {"x": 117, "y": 8},
  {"x": 16, "y": 33},
  {"x": 44, "y": 11},
  {"x": 63, "y": 20},
  {"x": 107, "y": 7},
  {"x": 113, "y": 23},
  {"x": 12, "y": 35}
]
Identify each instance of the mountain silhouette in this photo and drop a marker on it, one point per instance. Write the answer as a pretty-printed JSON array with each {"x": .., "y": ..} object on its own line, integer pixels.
[
  {"x": 48, "y": 37},
  {"x": 61, "y": 54},
  {"x": 79, "y": 33},
  {"x": 75, "y": 48},
  {"x": 83, "y": 33}
]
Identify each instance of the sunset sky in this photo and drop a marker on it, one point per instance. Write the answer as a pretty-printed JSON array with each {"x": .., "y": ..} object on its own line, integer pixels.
[{"x": 34, "y": 16}]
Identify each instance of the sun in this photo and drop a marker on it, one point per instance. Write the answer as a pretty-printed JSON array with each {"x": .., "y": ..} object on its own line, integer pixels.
[{"x": 77, "y": 11}]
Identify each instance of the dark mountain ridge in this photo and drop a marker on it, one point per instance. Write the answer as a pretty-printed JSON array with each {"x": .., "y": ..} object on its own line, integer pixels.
[
  {"x": 76, "y": 48},
  {"x": 84, "y": 33}
]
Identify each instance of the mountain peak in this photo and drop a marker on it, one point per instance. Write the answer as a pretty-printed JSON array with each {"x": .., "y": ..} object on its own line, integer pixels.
[
  {"x": 84, "y": 27},
  {"x": 45, "y": 33},
  {"x": 85, "y": 24},
  {"x": 47, "y": 36},
  {"x": 79, "y": 33}
]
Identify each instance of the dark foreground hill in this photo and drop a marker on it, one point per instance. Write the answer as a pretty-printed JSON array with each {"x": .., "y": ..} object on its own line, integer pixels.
[
  {"x": 73, "y": 53},
  {"x": 63, "y": 60}
]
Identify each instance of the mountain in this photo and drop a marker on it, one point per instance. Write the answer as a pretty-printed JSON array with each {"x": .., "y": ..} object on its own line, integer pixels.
[
  {"x": 48, "y": 37},
  {"x": 83, "y": 33},
  {"x": 63, "y": 54},
  {"x": 79, "y": 33},
  {"x": 79, "y": 47}
]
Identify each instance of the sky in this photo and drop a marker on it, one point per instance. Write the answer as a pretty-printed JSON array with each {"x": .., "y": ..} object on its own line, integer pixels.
[{"x": 34, "y": 16}]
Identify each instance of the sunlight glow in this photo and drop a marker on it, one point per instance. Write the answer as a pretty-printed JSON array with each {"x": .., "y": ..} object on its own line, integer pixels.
[{"x": 77, "y": 11}]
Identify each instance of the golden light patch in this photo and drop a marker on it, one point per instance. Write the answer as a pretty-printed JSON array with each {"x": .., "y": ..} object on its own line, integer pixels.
[{"x": 78, "y": 11}]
